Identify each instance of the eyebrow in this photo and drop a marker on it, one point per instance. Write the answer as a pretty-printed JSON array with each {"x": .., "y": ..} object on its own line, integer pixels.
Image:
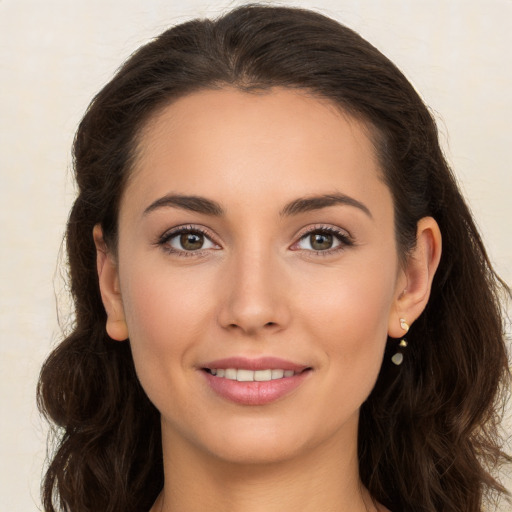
[
  {"x": 191, "y": 203},
  {"x": 307, "y": 204},
  {"x": 209, "y": 207}
]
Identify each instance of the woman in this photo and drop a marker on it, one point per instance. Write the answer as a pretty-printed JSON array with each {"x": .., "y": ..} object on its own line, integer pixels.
[{"x": 263, "y": 213}]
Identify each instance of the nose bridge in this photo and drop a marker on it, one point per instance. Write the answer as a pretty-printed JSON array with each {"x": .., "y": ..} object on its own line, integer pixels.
[{"x": 254, "y": 297}]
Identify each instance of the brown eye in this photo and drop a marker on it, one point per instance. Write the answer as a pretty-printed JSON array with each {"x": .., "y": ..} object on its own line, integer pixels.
[
  {"x": 187, "y": 240},
  {"x": 321, "y": 241},
  {"x": 191, "y": 241}
]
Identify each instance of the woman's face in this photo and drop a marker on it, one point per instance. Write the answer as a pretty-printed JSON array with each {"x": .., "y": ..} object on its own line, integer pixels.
[{"x": 256, "y": 242}]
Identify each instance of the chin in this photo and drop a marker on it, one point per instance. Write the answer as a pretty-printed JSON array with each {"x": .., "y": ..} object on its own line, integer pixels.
[{"x": 270, "y": 441}]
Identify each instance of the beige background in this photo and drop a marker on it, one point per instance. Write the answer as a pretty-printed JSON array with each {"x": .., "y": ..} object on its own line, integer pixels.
[{"x": 54, "y": 55}]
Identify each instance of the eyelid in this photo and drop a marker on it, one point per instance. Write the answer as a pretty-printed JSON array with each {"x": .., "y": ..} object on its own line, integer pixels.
[
  {"x": 163, "y": 239},
  {"x": 343, "y": 236}
]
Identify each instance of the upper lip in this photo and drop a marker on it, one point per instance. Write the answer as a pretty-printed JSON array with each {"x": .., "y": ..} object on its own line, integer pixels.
[{"x": 259, "y": 363}]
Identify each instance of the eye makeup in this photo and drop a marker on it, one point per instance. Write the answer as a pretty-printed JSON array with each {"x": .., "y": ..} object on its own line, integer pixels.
[
  {"x": 194, "y": 240},
  {"x": 187, "y": 241},
  {"x": 323, "y": 240}
]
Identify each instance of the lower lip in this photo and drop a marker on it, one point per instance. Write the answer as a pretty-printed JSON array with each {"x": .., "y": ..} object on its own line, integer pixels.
[{"x": 254, "y": 393}]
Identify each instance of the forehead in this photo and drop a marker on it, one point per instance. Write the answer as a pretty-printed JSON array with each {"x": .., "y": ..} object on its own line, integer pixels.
[{"x": 251, "y": 142}]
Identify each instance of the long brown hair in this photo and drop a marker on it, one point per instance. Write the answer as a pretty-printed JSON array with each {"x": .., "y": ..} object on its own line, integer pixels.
[{"x": 428, "y": 435}]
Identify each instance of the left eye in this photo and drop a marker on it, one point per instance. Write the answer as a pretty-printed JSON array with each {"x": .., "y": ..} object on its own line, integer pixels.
[
  {"x": 189, "y": 241},
  {"x": 319, "y": 241}
]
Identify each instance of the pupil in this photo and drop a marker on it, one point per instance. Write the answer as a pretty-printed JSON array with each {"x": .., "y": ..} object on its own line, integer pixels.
[
  {"x": 191, "y": 241},
  {"x": 321, "y": 242}
]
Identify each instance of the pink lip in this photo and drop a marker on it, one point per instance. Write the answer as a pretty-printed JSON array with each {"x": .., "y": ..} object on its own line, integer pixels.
[
  {"x": 260, "y": 363},
  {"x": 255, "y": 393}
]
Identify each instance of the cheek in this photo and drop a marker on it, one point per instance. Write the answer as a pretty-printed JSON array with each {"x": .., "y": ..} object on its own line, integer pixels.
[
  {"x": 352, "y": 298},
  {"x": 166, "y": 316},
  {"x": 349, "y": 317},
  {"x": 161, "y": 305}
]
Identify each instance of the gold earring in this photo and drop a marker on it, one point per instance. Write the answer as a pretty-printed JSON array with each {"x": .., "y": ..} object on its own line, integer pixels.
[{"x": 398, "y": 357}]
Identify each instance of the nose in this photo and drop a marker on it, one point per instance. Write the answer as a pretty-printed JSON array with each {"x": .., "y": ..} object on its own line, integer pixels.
[{"x": 254, "y": 295}]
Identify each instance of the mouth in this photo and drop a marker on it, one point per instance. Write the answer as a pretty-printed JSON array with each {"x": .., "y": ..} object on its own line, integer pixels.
[
  {"x": 260, "y": 381},
  {"x": 245, "y": 375}
]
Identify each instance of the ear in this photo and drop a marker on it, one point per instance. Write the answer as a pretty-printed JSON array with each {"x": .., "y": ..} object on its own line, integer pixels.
[
  {"x": 109, "y": 288},
  {"x": 416, "y": 278}
]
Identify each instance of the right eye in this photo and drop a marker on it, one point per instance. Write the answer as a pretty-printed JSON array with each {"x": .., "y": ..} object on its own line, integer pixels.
[{"x": 187, "y": 240}]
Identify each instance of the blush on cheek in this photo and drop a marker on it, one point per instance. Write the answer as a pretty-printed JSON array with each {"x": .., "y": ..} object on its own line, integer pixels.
[
  {"x": 351, "y": 317},
  {"x": 165, "y": 318}
]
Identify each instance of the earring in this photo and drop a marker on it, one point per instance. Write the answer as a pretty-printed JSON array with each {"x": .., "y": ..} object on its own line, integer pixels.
[{"x": 398, "y": 358}]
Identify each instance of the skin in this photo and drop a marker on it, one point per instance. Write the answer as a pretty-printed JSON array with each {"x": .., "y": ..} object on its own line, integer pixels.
[{"x": 256, "y": 288}]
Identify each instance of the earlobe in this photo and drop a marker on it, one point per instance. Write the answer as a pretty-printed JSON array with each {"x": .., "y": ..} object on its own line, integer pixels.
[
  {"x": 109, "y": 287},
  {"x": 418, "y": 275}
]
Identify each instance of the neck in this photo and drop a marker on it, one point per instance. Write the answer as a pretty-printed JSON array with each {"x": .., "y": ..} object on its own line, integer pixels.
[{"x": 325, "y": 478}]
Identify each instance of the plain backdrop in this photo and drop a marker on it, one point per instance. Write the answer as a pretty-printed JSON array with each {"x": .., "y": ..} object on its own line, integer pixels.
[{"x": 54, "y": 55}]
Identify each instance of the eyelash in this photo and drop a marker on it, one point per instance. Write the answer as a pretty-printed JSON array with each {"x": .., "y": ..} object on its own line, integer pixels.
[
  {"x": 342, "y": 237},
  {"x": 164, "y": 240}
]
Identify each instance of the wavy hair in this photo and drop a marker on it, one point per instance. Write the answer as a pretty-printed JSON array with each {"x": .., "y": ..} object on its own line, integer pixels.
[{"x": 428, "y": 434}]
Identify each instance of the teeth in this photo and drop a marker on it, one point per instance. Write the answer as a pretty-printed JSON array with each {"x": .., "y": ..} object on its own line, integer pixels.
[
  {"x": 243, "y": 375},
  {"x": 230, "y": 373},
  {"x": 262, "y": 375}
]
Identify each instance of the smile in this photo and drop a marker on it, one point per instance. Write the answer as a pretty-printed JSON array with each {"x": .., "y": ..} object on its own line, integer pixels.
[
  {"x": 243, "y": 375},
  {"x": 259, "y": 381}
]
